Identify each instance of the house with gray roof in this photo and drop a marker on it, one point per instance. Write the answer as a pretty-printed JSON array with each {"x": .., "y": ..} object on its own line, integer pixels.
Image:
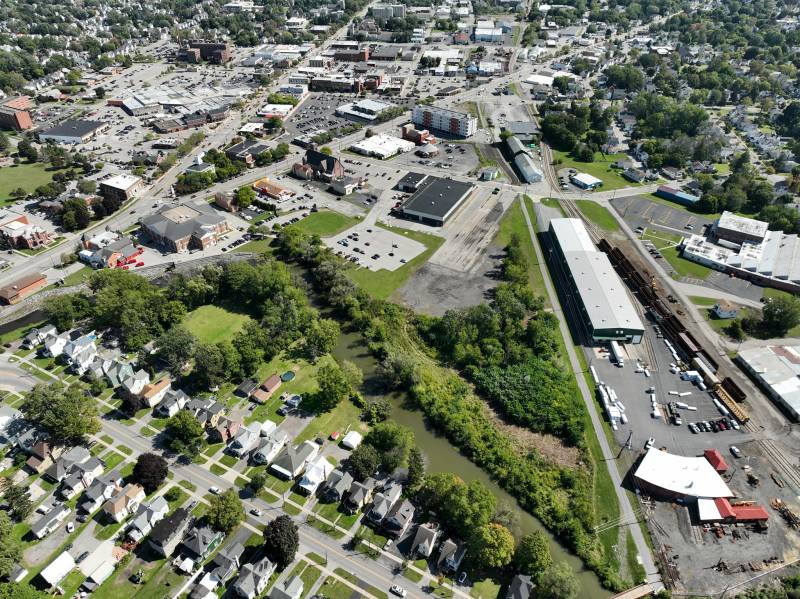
[
  {"x": 245, "y": 440},
  {"x": 50, "y": 521},
  {"x": 186, "y": 226},
  {"x": 174, "y": 401},
  {"x": 425, "y": 540},
  {"x": 399, "y": 518},
  {"x": 200, "y": 542},
  {"x": 359, "y": 495},
  {"x": 168, "y": 533},
  {"x": 292, "y": 461},
  {"x": 102, "y": 488},
  {"x": 520, "y": 587},
  {"x": 226, "y": 561},
  {"x": 336, "y": 486},
  {"x": 291, "y": 588},
  {"x": 147, "y": 515},
  {"x": 451, "y": 554},
  {"x": 62, "y": 466},
  {"x": 253, "y": 578},
  {"x": 80, "y": 477},
  {"x": 269, "y": 447},
  {"x": 384, "y": 502}
]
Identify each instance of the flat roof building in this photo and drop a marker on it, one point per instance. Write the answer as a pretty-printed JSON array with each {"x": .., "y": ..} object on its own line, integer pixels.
[
  {"x": 672, "y": 476},
  {"x": 72, "y": 132},
  {"x": 738, "y": 229},
  {"x": 443, "y": 119},
  {"x": 367, "y": 110},
  {"x": 121, "y": 187},
  {"x": 436, "y": 200},
  {"x": 776, "y": 369},
  {"x": 586, "y": 181},
  {"x": 600, "y": 296},
  {"x": 382, "y": 146}
]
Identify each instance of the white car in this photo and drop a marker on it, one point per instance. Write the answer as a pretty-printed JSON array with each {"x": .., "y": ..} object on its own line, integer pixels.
[
  {"x": 214, "y": 490},
  {"x": 70, "y": 527},
  {"x": 650, "y": 442},
  {"x": 734, "y": 425},
  {"x": 398, "y": 590},
  {"x": 735, "y": 451}
]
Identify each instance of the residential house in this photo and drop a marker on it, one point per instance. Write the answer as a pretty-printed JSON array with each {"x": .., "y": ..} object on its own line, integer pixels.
[
  {"x": 206, "y": 587},
  {"x": 226, "y": 561},
  {"x": 316, "y": 473},
  {"x": 246, "y": 388},
  {"x": 291, "y": 588},
  {"x": 168, "y": 533},
  {"x": 336, "y": 486},
  {"x": 520, "y": 588},
  {"x": 384, "y": 501},
  {"x": 671, "y": 173},
  {"x": 266, "y": 389},
  {"x": 50, "y": 521},
  {"x": 10, "y": 420},
  {"x": 147, "y": 515},
  {"x": 54, "y": 345},
  {"x": 154, "y": 393},
  {"x": 199, "y": 543},
  {"x": 62, "y": 466},
  {"x": 102, "y": 488},
  {"x": 40, "y": 455},
  {"x": 133, "y": 386},
  {"x": 292, "y": 461},
  {"x": 38, "y": 335},
  {"x": 399, "y": 518},
  {"x": 424, "y": 540},
  {"x": 207, "y": 411},
  {"x": 269, "y": 447},
  {"x": 80, "y": 353},
  {"x": 124, "y": 503},
  {"x": 174, "y": 401},
  {"x": 80, "y": 477},
  {"x": 225, "y": 429},
  {"x": 268, "y": 427},
  {"x": 245, "y": 440},
  {"x": 634, "y": 175},
  {"x": 451, "y": 554},
  {"x": 359, "y": 495},
  {"x": 253, "y": 578}
]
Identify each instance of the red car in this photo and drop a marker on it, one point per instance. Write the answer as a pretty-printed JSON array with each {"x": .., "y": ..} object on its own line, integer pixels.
[
  {"x": 138, "y": 264},
  {"x": 334, "y": 435}
]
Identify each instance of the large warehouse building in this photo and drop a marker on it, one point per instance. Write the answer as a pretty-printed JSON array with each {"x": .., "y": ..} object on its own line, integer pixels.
[
  {"x": 776, "y": 368},
  {"x": 435, "y": 200},
  {"x": 600, "y": 295},
  {"x": 666, "y": 475},
  {"x": 442, "y": 119}
]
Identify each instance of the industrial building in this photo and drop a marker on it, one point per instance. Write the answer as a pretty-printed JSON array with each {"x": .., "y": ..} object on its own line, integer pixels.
[
  {"x": 746, "y": 248},
  {"x": 776, "y": 369},
  {"x": 600, "y": 296},
  {"x": 442, "y": 119},
  {"x": 72, "y": 132},
  {"x": 669, "y": 476},
  {"x": 382, "y": 146},
  {"x": 435, "y": 200},
  {"x": 585, "y": 181},
  {"x": 522, "y": 159},
  {"x": 364, "y": 110},
  {"x": 676, "y": 195}
]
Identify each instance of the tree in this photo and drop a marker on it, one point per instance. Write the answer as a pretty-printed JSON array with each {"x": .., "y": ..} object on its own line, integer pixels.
[
  {"x": 393, "y": 443},
  {"x": 257, "y": 481},
  {"x": 13, "y": 590},
  {"x": 363, "y": 461},
  {"x": 100, "y": 92},
  {"x": 281, "y": 541},
  {"x": 352, "y": 373},
  {"x": 64, "y": 310},
  {"x": 209, "y": 365},
  {"x": 176, "y": 348},
  {"x": 186, "y": 433},
  {"x": 533, "y": 555},
  {"x": 559, "y": 582},
  {"x": 326, "y": 150},
  {"x": 225, "y": 511},
  {"x": 150, "y": 471},
  {"x": 68, "y": 415},
  {"x": 244, "y": 197},
  {"x": 18, "y": 499},
  {"x": 4, "y": 143},
  {"x": 321, "y": 337},
  {"x": 492, "y": 546},
  {"x": 10, "y": 550},
  {"x": 735, "y": 330},
  {"x": 87, "y": 186},
  {"x": 333, "y": 386},
  {"x": 780, "y": 314},
  {"x": 26, "y": 150},
  {"x": 416, "y": 468}
]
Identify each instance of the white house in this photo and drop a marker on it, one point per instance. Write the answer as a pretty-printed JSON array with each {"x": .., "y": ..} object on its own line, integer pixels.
[
  {"x": 146, "y": 517},
  {"x": 54, "y": 346},
  {"x": 269, "y": 447},
  {"x": 245, "y": 440},
  {"x": 316, "y": 473},
  {"x": 134, "y": 385},
  {"x": 352, "y": 440}
]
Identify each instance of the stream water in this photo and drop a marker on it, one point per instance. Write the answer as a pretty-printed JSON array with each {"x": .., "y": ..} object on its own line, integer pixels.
[{"x": 441, "y": 456}]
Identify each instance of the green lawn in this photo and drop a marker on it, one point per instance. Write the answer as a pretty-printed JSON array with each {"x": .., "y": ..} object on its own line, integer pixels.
[
  {"x": 335, "y": 589},
  {"x": 383, "y": 283},
  {"x": 259, "y": 246},
  {"x": 600, "y": 168},
  {"x": 325, "y": 223},
  {"x": 212, "y": 324},
  {"x": 20, "y": 332},
  {"x": 698, "y": 300},
  {"x": 485, "y": 589},
  {"x": 598, "y": 214},
  {"x": 78, "y": 277},
  {"x": 26, "y": 176},
  {"x": 666, "y": 243},
  {"x": 344, "y": 415}
]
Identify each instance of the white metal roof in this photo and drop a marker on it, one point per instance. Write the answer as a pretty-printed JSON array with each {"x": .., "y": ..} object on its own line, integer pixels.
[
  {"x": 691, "y": 476},
  {"x": 58, "y": 569},
  {"x": 749, "y": 226},
  {"x": 571, "y": 235},
  {"x": 707, "y": 510},
  {"x": 587, "y": 179},
  {"x": 778, "y": 368}
]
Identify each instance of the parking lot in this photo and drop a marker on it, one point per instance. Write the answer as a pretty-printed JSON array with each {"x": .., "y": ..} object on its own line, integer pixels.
[{"x": 374, "y": 247}]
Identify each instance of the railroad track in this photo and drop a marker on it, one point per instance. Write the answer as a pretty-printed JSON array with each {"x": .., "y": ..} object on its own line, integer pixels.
[{"x": 781, "y": 462}]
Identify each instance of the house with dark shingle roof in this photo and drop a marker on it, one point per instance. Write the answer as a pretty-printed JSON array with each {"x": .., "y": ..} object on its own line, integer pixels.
[
  {"x": 253, "y": 578},
  {"x": 184, "y": 227},
  {"x": 320, "y": 166}
]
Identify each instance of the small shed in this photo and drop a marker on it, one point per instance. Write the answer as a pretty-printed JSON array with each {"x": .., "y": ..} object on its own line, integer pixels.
[
  {"x": 715, "y": 458},
  {"x": 352, "y": 440},
  {"x": 58, "y": 569}
]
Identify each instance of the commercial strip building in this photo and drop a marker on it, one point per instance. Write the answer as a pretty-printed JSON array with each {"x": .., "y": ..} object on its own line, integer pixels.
[
  {"x": 599, "y": 295},
  {"x": 72, "y": 132},
  {"x": 18, "y": 290},
  {"x": 382, "y": 146},
  {"x": 435, "y": 200},
  {"x": 365, "y": 110},
  {"x": 443, "y": 119},
  {"x": 776, "y": 369},
  {"x": 746, "y": 248}
]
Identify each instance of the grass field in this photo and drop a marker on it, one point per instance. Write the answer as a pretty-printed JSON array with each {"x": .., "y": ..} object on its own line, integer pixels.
[
  {"x": 383, "y": 283},
  {"x": 600, "y": 168},
  {"x": 667, "y": 243},
  {"x": 513, "y": 222},
  {"x": 325, "y": 223},
  {"x": 598, "y": 214},
  {"x": 344, "y": 415},
  {"x": 212, "y": 324},
  {"x": 26, "y": 176}
]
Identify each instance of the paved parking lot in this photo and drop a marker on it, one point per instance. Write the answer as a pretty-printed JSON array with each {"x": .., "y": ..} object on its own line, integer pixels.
[{"x": 374, "y": 247}]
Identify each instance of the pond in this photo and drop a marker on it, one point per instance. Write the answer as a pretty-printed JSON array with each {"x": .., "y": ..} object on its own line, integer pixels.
[{"x": 441, "y": 456}]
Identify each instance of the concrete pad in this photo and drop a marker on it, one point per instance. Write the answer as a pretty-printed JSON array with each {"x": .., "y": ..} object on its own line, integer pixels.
[{"x": 374, "y": 240}]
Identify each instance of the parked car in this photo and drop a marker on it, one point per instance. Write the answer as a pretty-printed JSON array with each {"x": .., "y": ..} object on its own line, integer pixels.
[
  {"x": 82, "y": 557},
  {"x": 650, "y": 442},
  {"x": 214, "y": 490},
  {"x": 397, "y": 590},
  {"x": 736, "y": 451}
]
